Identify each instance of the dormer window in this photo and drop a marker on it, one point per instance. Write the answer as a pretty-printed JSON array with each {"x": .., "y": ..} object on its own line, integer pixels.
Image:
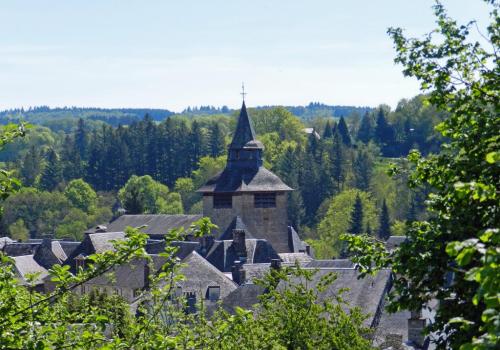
[
  {"x": 213, "y": 293},
  {"x": 265, "y": 200},
  {"x": 223, "y": 201},
  {"x": 80, "y": 261}
]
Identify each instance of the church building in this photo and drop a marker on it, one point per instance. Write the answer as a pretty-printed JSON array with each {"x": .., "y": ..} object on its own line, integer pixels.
[{"x": 247, "y": 195}]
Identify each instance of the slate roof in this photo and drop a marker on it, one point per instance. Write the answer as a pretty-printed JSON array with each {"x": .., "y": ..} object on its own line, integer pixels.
[
  {"x": 291, "y": 258},
  {"x": 236, "y": 224},
  {"x": 244, "y": 180},
  {"x": 244, "y": 132},
  {"x": 339, "y": 263},
  {"x": 311, "y": 131},
  {"x": 367, "y": 293},
  {"x": 185, "y": 247},
  {"x": 102, "y": 242},
  {"x": 295, "y": 243},
  {"x": 200, "y": 275},
  {"x": 255, "y": 271},
  {"x": 20, "y": 248},
  {"x": 26, "y": 264},
  {"x": 223, "y": 255},
  {"x": 157, "y": 225},
  {"x": 245, "y": 296},
  {"x": 5, "y": 240}
]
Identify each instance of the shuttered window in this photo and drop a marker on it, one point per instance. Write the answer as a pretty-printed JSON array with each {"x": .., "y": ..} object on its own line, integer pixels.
[
  {"x": 265, "y": 200},
  {"x": 223, "y": 201}
]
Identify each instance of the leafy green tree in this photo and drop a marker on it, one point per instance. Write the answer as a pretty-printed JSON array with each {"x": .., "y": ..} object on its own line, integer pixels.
[
  {"x": 459, "y": 242},
  {"x": 337, "y": 221},
  {"x": 143, "y": 195},
  {"x": 81, "y": 195},
  {"x": 52, "y": 174},
  {"x": 356, "y": 221},
  {"x": 18, "y": 231},
  {"x": 73, "y": 225},
  {"x": 384, "y": 224}
]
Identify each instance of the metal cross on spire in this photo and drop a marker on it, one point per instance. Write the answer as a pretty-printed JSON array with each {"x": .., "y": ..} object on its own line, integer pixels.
[{"x": 243, "y": 93}]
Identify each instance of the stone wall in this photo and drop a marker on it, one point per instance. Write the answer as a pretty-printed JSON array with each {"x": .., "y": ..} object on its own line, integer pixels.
[{"x": 266, "y": 223}]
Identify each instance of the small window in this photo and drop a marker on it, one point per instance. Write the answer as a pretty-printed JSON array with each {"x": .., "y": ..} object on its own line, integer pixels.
[
  {"x": 213, "y": 293},
  {"x": 223, "y": 201},
  {"x": 265, "y": 200}
]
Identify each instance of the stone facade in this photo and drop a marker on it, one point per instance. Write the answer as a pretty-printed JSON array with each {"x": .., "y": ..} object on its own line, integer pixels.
[{"x": 266, "y": 223}]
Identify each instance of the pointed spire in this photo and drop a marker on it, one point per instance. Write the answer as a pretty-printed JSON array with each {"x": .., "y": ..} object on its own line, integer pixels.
[{"x": 244, "y": 131}]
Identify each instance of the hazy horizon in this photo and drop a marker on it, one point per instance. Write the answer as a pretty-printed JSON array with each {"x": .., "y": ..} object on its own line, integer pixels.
[{"x": 157, "y": 54}]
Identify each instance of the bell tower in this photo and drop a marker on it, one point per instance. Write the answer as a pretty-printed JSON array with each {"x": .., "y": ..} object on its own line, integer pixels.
[{"x": 247, "y": 191}]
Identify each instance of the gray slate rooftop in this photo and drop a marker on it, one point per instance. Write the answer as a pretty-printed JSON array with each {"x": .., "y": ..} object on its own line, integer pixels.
[
  {"x": 245, "y": 180},
  {"x": 156, "y": 225},
  {"x": 26, "y": 264}
]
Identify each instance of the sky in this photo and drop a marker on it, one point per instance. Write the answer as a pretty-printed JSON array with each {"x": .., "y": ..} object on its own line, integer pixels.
[{"x": 173, "y": 54}]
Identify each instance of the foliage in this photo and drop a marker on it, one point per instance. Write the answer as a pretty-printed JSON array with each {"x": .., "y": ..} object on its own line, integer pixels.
[
  {"x": 384, "y": 223},
  {"x": 454, "y": 256},
  {"x": 18, "y": 231},
  {"x": 337, "y": 221},
  {"x": 143, "y": 195},
  {"x": 81, "y": 195},
  {"x": 356, "y": 220}
]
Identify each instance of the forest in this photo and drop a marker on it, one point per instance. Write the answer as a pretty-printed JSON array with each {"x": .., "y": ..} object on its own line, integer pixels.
[{"x": 343, "y": 162}]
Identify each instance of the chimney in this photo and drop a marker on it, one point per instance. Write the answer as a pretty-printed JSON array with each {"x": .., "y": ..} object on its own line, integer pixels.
[
  {"x": 101, "y": 229},
  {"x": 239, "y": 243},
  {"x": 238, "y": 273},
  {"x": 416, "y": 325},
  {"x": 275, "y": 264}
]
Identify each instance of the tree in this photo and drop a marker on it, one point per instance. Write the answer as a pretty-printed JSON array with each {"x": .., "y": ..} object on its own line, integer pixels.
[
  {"x": 143, "y": 195},
  {"x": 81, "y": 139},
  {"x": 52, "y": 174},
  {"x": 216, "y": 140},
  {"x": 337, "y": 221},
  {"x": 365, "y": 131},
  {"x": 18, "y": 231},
  {"x": 384, "y": 223},
  {"x": 459, "y": 242},
  {"x": 356, "y": 221},
  {"x": 31, "y": 166},
  {"x": 344, "y": 132},
  {"x": 81, "y": 195},
  {"x": 327, "y": 133}
]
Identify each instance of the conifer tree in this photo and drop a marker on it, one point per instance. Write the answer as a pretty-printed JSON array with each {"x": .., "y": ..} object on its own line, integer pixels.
[
  {"x": 81, "y": 139},
  {"x": 356, "y": 221},
  {"x": 344, "y": 132},
  {"x": 31, "y": 166},
  {"x": 52, "y": 174},
  {"x": 327, "y": 133},
  {"x": 363, "y": 169},
  {"x": 216, "y": 142},
  {"x": 384, "y": 228},
  {"x": 365, "y": 131}
]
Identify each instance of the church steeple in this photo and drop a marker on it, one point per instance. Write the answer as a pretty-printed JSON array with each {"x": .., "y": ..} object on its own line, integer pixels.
[
  {"x": 245, "y": 151},
  {"x": 244, "y": 132}
]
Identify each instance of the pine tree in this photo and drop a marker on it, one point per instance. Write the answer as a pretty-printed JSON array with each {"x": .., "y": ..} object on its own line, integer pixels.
[
  {"x": 81, "y": 139},
  {"x": 356, "y": 221},
  {"x": 337, "y": 161},
  {"x": 52, "y": 174},
  {"x": 31, "y": 166},
  {"x": 344, "y": 132},
  {"x": 327, "y": 133},
  {"x": 363, "y": 169},
  {"x": 216, "y": 142},
  {"x": 384, "y": 229},
  {"x": 365, "y": 131}
]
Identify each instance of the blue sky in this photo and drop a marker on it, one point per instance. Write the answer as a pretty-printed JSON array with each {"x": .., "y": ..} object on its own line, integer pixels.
[{"x": 174, "y": 54}]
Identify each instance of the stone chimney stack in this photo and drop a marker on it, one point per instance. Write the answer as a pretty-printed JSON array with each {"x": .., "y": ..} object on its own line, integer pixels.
[
  {"x": 239, "y": 243},
  {"x": 238, "y": 273}
]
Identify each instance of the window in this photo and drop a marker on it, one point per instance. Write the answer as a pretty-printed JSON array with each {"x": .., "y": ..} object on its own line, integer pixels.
[
  {"x": 223, "y": 201},
  {"x": 213, "y": 293},
  {"x": 265, "y": 200}
]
